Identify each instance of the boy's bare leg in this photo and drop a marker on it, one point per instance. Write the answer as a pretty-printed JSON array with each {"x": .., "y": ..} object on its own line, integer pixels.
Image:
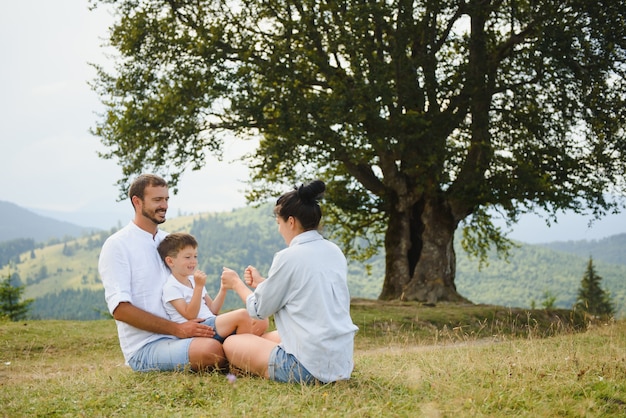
[{"x": 240, "y": 322}]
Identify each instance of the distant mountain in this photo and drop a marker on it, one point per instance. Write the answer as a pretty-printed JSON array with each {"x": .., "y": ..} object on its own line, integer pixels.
[
  {"x": 17, "y": 222},
  {"x": 611, "y": 249},
  {"x": 569, "y": 226},
  {"x": 104, "y": 217}
]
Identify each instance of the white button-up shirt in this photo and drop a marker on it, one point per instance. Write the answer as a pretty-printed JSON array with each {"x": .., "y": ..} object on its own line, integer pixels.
[{"x": 132, "y": 271}]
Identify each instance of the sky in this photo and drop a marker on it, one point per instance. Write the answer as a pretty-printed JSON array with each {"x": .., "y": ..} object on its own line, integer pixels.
[{"x": 48, "y": 158}]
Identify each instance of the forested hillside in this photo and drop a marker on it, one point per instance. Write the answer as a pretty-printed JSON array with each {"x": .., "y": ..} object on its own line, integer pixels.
[
  {"x": 64, "y": 281},
  {"x": 533, "y": 274},
  {"x": 611, "y": 249}
]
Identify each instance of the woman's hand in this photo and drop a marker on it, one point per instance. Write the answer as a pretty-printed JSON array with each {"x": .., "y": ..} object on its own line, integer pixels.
[{"x": 252, "y": 277}]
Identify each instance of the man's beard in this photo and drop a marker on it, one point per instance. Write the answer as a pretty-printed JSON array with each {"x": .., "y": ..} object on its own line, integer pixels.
[{"x": 152, "y": 217}]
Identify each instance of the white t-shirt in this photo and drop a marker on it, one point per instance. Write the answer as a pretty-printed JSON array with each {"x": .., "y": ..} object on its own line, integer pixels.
[
  {"x": 307, "y": 292},
  {"x": 173, "y": 289},
  {"x": 132, "y": 271}
]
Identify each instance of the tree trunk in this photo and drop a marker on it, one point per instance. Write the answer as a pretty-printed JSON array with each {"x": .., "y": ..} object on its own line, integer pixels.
[
  {"x": 419, "y": 252},
  {"x": 397, "y": 247}
]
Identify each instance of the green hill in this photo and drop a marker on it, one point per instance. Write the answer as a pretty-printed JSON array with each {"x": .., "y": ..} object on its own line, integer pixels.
[
  {"x": 64, "y": 281},
  {"x": 534, "y": 272},
  {"x": 610, "y": 249}
]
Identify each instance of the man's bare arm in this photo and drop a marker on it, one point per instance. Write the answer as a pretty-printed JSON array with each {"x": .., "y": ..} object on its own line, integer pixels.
[{"x": 127, "y": 312}]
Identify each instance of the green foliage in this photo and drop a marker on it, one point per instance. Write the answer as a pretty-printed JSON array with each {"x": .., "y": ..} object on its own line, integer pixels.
[
  {"x": 548, "y": 300},
  {"x": 479, "y": 235},
  {"x": 591, "y": 297},
  {"x": 12, "y": 306},
  {"x": 339, "y": 89}
]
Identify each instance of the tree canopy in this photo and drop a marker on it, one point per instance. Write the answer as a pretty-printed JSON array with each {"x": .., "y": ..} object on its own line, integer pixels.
[{"x": 421, "y": 116}]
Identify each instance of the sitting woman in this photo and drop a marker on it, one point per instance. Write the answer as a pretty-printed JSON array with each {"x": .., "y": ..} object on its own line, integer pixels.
[{"x": 307, "y": 292}]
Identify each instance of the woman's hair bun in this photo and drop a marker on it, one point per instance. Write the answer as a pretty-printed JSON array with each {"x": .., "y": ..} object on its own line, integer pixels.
[{"x": 312, "y": 191}]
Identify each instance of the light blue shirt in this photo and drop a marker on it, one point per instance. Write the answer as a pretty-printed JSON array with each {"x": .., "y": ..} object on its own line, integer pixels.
[{"x": 307, "y": 292}]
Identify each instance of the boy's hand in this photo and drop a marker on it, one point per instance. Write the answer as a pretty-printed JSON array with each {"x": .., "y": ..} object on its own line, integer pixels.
[
  {"x": 230, "y": 278},
  {"x": 199, "y": 277}
]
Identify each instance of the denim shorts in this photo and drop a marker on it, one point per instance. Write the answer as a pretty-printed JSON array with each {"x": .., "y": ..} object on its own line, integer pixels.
[
  {"x": 164, "y": 354},
  {"x": 211, "y": 322},
  {"x": 284, "y": 367}
]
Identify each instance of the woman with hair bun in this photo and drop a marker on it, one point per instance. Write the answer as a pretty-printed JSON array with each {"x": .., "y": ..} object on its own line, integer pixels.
[{"x": 307, "y": 292}]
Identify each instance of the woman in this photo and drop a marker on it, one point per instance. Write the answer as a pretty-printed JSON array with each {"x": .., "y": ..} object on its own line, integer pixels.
[{"x": 307, "y": 292}]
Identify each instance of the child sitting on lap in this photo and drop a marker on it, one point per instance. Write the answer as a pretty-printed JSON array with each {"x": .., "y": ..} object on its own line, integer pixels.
[{"x": 185, "y": 297}]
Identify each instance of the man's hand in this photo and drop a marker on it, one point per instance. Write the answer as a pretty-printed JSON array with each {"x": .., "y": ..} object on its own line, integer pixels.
[{"x": 194, "y": 328}]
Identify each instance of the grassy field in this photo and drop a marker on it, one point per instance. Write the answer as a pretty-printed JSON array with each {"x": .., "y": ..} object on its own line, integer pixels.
[{"x": 410, "y": 360}]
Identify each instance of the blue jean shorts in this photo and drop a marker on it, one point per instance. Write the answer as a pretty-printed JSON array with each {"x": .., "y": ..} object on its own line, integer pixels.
[
  {"x": 164, "y": 354},
  {"x": 211, "y": 322},
  {"x": 284, "y": 367}
]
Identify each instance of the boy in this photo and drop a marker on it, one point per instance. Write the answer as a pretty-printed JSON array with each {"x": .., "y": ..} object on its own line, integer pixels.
[{"x": 185, "y": 297}]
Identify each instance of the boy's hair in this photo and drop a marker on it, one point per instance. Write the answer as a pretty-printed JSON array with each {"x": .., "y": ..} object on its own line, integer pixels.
[{"x": 174, "y": 242}]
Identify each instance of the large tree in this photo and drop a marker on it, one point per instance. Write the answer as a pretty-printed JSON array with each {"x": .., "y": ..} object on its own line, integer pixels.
[{"x": 422, "y": 116}]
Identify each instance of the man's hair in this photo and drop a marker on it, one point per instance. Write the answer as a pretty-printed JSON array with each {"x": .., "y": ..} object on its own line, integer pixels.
[
  {"x": 138, "y": 186},
  {"x": 175, "y": 242}
]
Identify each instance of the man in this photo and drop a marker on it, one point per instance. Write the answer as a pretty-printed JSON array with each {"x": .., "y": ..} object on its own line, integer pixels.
[{"x": 133, "y": 276}]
